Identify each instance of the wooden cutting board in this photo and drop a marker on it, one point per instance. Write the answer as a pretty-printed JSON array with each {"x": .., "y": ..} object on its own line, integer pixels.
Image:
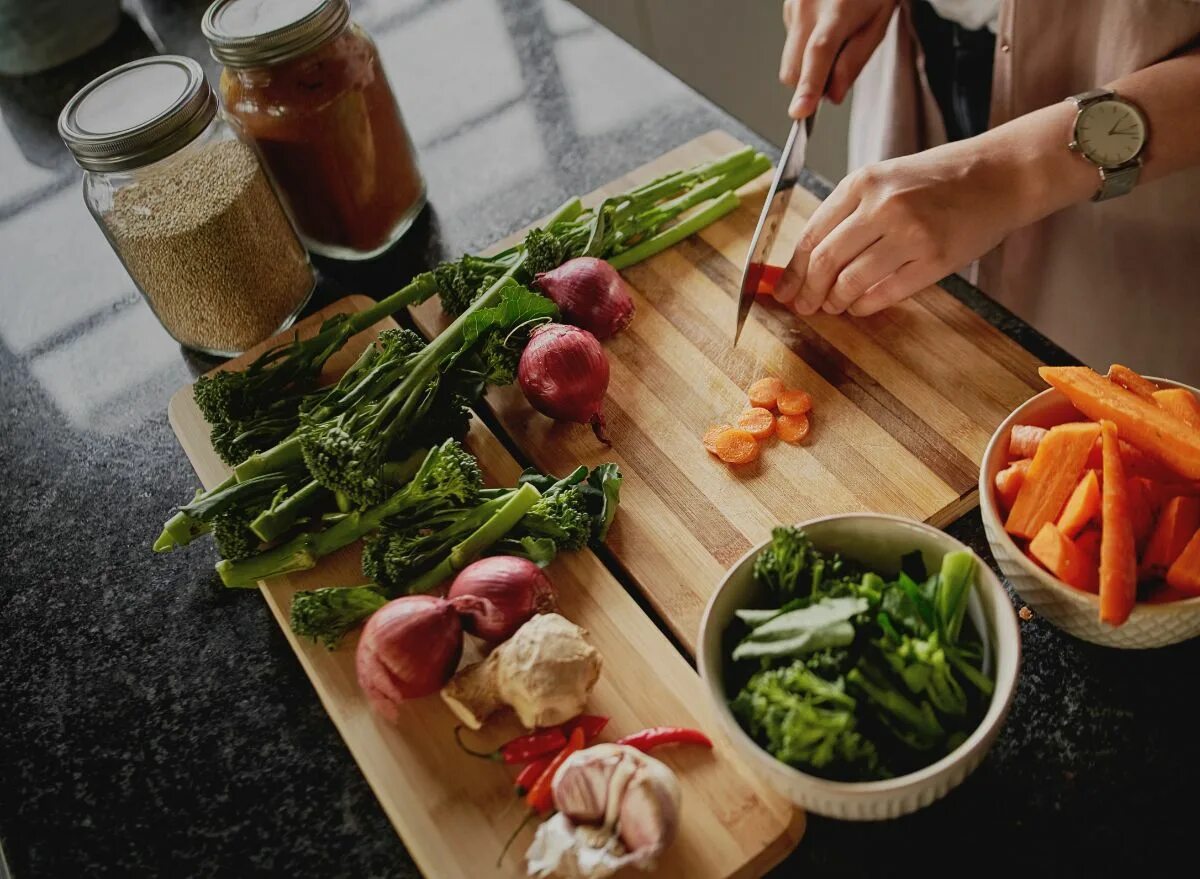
[
  {"x": 455, "y": 811},
  {"x": 904, "y": 404}
]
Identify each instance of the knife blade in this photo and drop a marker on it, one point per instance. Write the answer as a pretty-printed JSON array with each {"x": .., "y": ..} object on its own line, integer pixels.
[{"x": 787, "y": 175}]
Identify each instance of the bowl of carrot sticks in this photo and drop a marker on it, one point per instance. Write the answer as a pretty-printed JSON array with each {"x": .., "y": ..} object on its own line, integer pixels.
[{"x": 1090, "y": 496}]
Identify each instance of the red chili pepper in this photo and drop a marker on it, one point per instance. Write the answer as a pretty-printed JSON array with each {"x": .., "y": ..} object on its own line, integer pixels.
[
  {"x": 592, "y": 725},
  {"x": 536, "y": 744},
  {"x": 528, "y": 776},
  {"x": 540, "y": 796},
  {"x": 665, "y": 735}
]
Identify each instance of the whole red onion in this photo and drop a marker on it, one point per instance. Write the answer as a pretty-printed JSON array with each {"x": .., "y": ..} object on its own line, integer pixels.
[
  {"x": 495, "y": 596},
  {"x": 410, "y": 648},
  {"x": 564, "y": 374},
  {"x": 591, "y": 294}
]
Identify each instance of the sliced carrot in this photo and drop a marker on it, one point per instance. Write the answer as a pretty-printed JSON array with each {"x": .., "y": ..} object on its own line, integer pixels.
[
  {"x": 1118, "y": 557},
  {"x": 1052, "y": 476},
  {"x": 1062, "y": 558},
  {"x": 1082, "y": 506},
  {"x": 758, "y": 422},
  {"x": 1023, "y": 440},
  {"x": 1009, "y": 482},
  {"x": 765, "y": 391},
  {"x": 1158, "y": 433},
  {"x": 1178, "y": 521},
  {"x": 1181, "y": 403},
  {"x": 792, "y": 428},
  {"x": 735, "y": 446},
  {"x": 1184, "y": 575},
  {"x": 1131, "y": 381},
  {"x": 710, "y": 436},
  {"x": 1141, "y": 510},
  {"x": 1088, "y": 542},
  {"x": 794, "y": 402}
]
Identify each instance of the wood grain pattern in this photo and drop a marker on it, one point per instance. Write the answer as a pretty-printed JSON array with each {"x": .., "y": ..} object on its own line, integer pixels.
[
  {"x": 904, "y": 404},
  {"x": 453, "y": 811}
]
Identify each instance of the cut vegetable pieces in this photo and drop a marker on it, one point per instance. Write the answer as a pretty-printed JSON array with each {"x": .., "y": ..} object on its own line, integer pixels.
[
  {"x": 1052, "y": 476},
  {"x": 1131, "y": 381},
  {"x": 1158, "y": 433},
  {"x": 1118, "y": 557},
  {"x": 1178, "y": 521},
  {"x": 757, "y": 422},
  {"x": 710, "y": 436},
  {"x": 1009, "y": 482},
  {"x": 1023, "y": 440},
  {"x": 1082, "y": 506},
  {"x": 736, "y": 446},
  {"x": 765, "y": 392},
  {"x": 1062, "y": 558},
  {"x": 1184, "y": 574},
  {"x": 1181, "y": 403},
  {"x": 1088, "y": 543},
  {"x": 794, "y": 402},
  {"x": 793, "y": 428},
  {"x": 1141, "y": 510}
]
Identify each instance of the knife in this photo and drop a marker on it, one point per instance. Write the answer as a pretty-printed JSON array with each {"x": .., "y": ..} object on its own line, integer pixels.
[{"x": 787, "y": 175}]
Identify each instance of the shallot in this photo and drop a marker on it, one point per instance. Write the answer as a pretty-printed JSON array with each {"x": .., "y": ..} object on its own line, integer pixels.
[
  {"x": 564, "y": 374},
  {"x": 590, "y": 294},
  {"x": 496, "y": 595}
]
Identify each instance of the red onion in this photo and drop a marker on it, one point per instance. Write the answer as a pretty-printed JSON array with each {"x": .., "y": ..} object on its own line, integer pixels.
[
  {"x": 495, "y": 596},
  {"x": 410, "y": 648},
  {"x": 564, "y": 374},
  {"x": 591, "y": 294}
]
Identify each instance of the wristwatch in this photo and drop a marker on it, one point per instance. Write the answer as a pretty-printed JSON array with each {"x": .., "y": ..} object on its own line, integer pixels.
[{"x": 1110, "y": 132}]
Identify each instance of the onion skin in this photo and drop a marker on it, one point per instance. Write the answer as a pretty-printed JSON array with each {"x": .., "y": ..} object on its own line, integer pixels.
[
  {"x": 495, "y": 596},
  {"x": 409, "y": 648},
  {"x": 564, "y": 374},
  {"x": 591, "y": 294}
]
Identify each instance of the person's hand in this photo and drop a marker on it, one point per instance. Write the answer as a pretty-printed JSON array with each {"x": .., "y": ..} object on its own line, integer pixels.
[
  {"x": 891, "y": 229},
  {"x": 828, "y": 43}
]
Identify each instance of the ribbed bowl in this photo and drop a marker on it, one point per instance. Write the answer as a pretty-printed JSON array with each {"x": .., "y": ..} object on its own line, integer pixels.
[
  {"x": 1072, "y": 610},
  {"x": 878, "y": 541}
]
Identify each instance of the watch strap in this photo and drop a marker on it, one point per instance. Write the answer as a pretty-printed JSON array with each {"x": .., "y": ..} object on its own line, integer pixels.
[
  {"x": 1118, "y": 181},
  {"x": 1091, "y": 96}
]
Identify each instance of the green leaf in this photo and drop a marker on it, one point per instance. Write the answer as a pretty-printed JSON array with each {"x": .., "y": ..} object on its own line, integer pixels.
[
  {"x": 606, "y": 479},
  {"x": 954, "y": 586},
  {"x": 816, "y": 627},
  {"x": 518, "y": 307}
]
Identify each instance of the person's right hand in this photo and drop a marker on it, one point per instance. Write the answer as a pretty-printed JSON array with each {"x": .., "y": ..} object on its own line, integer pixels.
[{"x": 828, "y": 43}]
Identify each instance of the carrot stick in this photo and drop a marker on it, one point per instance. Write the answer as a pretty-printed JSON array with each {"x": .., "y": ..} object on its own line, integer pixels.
[
  {"x": 1052, "y": 476},
  {"x": 792, "y": 428},
  {"x": 1023, "y": 440},
  {"x": 1082, "y": 506},
  {"x": 1178, "y": 521},
  {"x": 1118, "y": 558},
  {"x": 1184, "y": 575},
  {"x": 794, "y": 402},
  {"x": 1088, "y": 543},
  {"x": 1009, "y": 482},
  {"x": 1180, "y": 402},
  {"x": 1131, "y": 381},
  {"x": 757, "y": 422},
  {"x": 735, "y": 446},
  {"x": 710, "y": 436},
  {"x": 1062, "y": 558},
  {"x": 765, "y": 391},
  {"x": 1141, "y": 510},
  {"x": 1159, "y": 434}
]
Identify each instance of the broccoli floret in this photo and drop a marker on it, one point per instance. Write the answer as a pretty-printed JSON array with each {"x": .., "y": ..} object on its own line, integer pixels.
[
  {"x": 791, "y": 567},
  {"x": 232, "y": 535},
  {"x": 328, "y": 614},
  {"x": 561, "y": 516},
  {"x": 543, "y": 251}
]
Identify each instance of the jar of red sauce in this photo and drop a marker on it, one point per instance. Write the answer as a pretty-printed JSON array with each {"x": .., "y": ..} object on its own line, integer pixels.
[{"x": 306, "y": 86}]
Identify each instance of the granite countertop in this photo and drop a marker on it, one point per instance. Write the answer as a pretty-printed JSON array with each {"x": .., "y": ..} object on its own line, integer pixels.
[{"x": 154, "y": 724}]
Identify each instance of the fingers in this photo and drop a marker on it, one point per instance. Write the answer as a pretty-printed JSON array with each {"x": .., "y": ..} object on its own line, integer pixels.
[
  {"x": 862, "y": 273},
  {"x": 824, "y": 220},
  {"x": 912, "y": 277},
  {"x": 835, "y": 252},
  {"x": 855, "y": 54},
  {"x": 793, "y": 46},
  {"x": 819, "y": 54}
]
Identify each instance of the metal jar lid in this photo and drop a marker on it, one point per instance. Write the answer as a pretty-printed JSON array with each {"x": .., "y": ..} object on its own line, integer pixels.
[
  {"x": 257, "y": 33},
  {"x": 137, "y": 113}
]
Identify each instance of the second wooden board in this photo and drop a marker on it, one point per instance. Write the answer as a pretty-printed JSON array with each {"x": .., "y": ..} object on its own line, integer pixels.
[{"x": 904, "y": 404}]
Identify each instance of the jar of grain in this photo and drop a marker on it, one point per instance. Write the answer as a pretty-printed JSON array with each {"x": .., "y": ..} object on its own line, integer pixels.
[{"x": 186, "y": 205}]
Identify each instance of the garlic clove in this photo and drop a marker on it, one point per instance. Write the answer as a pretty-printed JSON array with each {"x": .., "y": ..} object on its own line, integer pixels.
[{"x": 649, "y": 815}]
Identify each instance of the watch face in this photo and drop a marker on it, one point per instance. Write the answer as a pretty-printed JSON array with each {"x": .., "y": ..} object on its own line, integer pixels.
[{"x": 1110, "y": 132}]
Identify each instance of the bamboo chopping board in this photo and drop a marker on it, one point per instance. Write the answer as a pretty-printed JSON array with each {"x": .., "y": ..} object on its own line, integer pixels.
[
  {"x": 455, "y": 811},
  {"x": 904, "y": 404}
]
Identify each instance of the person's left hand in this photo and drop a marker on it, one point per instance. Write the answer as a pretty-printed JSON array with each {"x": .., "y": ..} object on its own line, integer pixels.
[{"x": 891, "y": 229}]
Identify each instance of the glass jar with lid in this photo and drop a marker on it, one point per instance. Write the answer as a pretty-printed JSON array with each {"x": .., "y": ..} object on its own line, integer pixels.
[
  {"x": 186, "y": 205},
  {"x": 307, "y": 86}
]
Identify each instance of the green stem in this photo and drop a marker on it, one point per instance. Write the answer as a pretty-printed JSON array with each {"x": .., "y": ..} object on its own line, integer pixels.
[
  {"x": 287, "y": 454},
  {"x": 272, "y": 524},
  {"x": 669, "y": 237}
]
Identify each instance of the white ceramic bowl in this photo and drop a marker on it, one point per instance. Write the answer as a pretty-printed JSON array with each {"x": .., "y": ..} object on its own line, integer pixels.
[
  {"x": 878, "y": 541},
  {"x": 1072, "y": 610}
]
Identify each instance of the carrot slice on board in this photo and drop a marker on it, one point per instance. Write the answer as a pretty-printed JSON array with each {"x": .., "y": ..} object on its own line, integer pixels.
[
  {"x": 710, "y": 436},
  {"x": 1178, "y": 521},
  {"x": 794, "y": 402},
  {"x": 757, "y": 422},
  {"x": 1052, "y": 476},
  {"x": 793, "y": 428},
  {"x": 1024, "y": 439},
  {"x": 735, "y": 446},
  {"x": 1131, "y": 381},
  {"x": 1062, "y": 558},
  {"x": 1082, "y": 506},
  {"x": 1142, "y": 423},
  {"x": 1009, "y": 482},
  {"x": 1184, "y": 575},
  {"x": 1181, "y": 403},
  {"x": 765, "y": 391},
  {"x": 1118, "y": 557}
]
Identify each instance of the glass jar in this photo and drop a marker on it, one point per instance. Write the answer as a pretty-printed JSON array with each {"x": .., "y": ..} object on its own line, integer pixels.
[
  {"x": 307, "y": 87},
  {"x": 186, "y": 205}
]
